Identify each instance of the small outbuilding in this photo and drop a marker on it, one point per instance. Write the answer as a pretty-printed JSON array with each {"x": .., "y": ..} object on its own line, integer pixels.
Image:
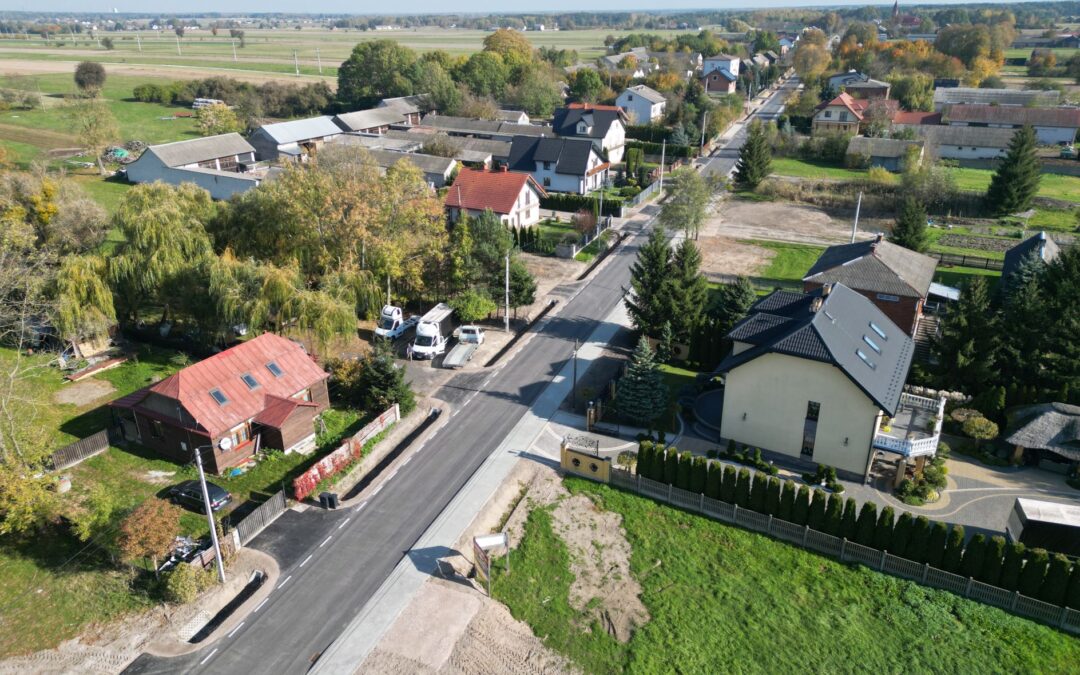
[{"x": 887, "y": 153}]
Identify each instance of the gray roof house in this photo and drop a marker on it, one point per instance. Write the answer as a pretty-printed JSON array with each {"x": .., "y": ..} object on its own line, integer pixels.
[
  {"x": 897, "y": 280},
  {"x": 487, "y": 129},
  {"x": 945, "y": 142},
  {"x": 412, "y": 107},
  {"x": 946, "y": 96},
  {"x": 888, "y": 153},
  {"x": 221, "y": 164},
  {"x": 467, "y": 150},
  {"x": 819, "y": 378},
  {"x": 1039, "y": 246},
  {"x": 604, "y": 126},
  {"x": 437, "y": 170},
  {"x": 859, "y": 85},
  {"x": 1053, "y": 427},
  {"x": 294, "y": 139},
  {"x": 374, "y": 121},
  {"x": 559, "y": 164}
]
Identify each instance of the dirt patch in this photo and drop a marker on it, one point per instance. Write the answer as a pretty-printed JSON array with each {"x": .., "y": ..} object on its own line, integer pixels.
[
  {"x": 977, "y": 243},
  {"x": 783, "y": 221},
  {"x": 40, "y": 137},
  {"x": 721, "y": 256},
  {"x": 84, "y": 393},
  {"x": 599, "y": 555}
]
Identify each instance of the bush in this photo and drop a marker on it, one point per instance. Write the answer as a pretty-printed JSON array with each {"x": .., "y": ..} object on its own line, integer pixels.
[
  {"x": 185, "y": 582},
  {"x": 772, "y": 496},
  {"x": 560, "y": 201},
  {"x": 757, "y": 493},
  {"x": 728, "y": 485},
  {"x": 901, "y": 535},
  {"x": 742, "y": 489},
  {"x": 920, "y": 539},
  {"x": 1012, "y": 566},
  {"x": 834, "y": 515},
  {"x": 800, "y": 511},
  {"x": 935, "y": 544},
  {"x": 644, "y": 465},
  {"x": 974, "y": 557},
  {"x": 1056, "y": 585},
  {"x": 671, "y": 466},
  {"x": 699, "y": 475},
  {"x": 867, "y": 524},
  {"x": 682, "y": 476},
  {"x": 1034, "y": 573},
  {"x": 672, "y": 151},
  {"x": 656, "y": 468},
  {"x": 849, "y": 525},
  {"x": 713, "y": 481},
  {"x": 787, "y": 501},
  {"x": 980, "y": 428},
  {"x": 816, "y": 518},
  {"x": 824, "y": 475},
  {"x": 993, "y": 561},
  {"x": 884, "y": 530}
]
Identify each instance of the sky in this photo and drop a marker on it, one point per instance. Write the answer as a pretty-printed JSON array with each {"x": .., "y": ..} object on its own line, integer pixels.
[{"x": 414, "y": 6}]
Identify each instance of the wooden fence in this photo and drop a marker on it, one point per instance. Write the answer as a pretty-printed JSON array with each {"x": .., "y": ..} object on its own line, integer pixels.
[
  {"x": 849, "y": 551},
  {"x": 261, "y": 517},
  {"x": 71, "y": 455},
  {"x": 968, "y": 261}
]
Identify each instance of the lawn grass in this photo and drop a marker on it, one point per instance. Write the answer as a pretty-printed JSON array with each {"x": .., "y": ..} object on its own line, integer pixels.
[
  {"x": 809, "y": 168},
  {"x": 108, "y": 193},
  {"x": 722, "y": 599},
  {"x": 1064, "y": 220},
  {"x": 958, "y": 277},
  {"x": 791, "y": 261}
]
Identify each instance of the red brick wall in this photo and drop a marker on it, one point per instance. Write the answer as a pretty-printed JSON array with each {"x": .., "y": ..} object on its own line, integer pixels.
[{"x": 903, "y": 312}]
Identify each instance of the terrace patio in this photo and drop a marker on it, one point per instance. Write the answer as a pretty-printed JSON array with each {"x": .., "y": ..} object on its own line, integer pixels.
[{"x": 915, "y": 430}]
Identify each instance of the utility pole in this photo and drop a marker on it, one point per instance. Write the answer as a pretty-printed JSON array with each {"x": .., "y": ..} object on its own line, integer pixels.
[
  {"x": 234, "y": 50},
  {"x": 573, "y": 397},
  {"x": 388, "y": 288},
  {"x": 319, "y": 59},
  {"x": 226, "y": 445},
  {"x": 138, "y": 39},
  {"x": 855, "y": 225},
  {"x": 663, "y": 153},
  {"x": 296, "y": 63},
  {"x": 704, "y": 117},
  {"x": 178, "y": 46},
  {"x": 506, "y": 318}
]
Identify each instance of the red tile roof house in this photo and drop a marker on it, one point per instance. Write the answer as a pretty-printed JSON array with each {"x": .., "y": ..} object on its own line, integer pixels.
[
  {"x": 513, "y": 196},
  {"x": 845, "y": 114},
  {"x": 264, "y": 393}
]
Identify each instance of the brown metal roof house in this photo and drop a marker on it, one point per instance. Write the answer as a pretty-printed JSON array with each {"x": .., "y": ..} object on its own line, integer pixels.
[
  {"x": 894, "y": 278},
  {"x": 264, "y": 393}
]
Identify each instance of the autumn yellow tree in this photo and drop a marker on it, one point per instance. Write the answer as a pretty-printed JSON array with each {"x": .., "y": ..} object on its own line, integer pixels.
[
  {"x": 218, "y": 119},
  {"x": 94, "y": 125},
  {"x": 148, "y": 531}
]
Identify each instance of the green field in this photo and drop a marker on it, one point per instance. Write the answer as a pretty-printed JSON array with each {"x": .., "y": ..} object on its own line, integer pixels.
[
  {"x": 791, "y": 260},
  {"x": 724, "y": 600},
  {"x": 272, "y": 50},
  {"x": 957, "y": 277},
  {"x": 808, "y": 168},
  {"x": 1062, "y": 54}
]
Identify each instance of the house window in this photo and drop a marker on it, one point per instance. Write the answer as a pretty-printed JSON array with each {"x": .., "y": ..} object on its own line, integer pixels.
[
  {"x": 828, "y": 113},
  {"x": 250, "y": 381},
  {"x": 157, "y": 429},
  {"x": 547, "y": 181},
  {"x": 219, "y": 396},
  {"x": 547, "y": 166},
  {"x": 843, "y": 117},
  {"x": 813, "y": 410},
  {"x": 239, "y": 435},
  {"x": 629, "y": 97},
  {"x": 274, "y": 369},
  {"x": 888, "y": 298}
]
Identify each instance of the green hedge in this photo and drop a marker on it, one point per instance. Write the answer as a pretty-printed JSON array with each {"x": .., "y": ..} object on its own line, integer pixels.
[
  {"x": 670, "y": 151},
  {"x": 564, "y": 201},
  {"x": 650, "y": 133},
  {"x": 1035, "y": 573}
]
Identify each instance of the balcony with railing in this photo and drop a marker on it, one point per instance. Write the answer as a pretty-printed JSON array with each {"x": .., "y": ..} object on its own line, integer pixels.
[{"x": 916, "y": 428}]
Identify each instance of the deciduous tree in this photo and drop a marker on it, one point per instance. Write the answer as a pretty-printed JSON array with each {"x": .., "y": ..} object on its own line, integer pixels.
[
  {"x": 218, "y": 119},
  {"x": 687, "y": 203},
  {"x": 376, "y": 69},
  {"x": 90, "y": 77},
  {"x": 94, "y": 126},
  {"x": 148, "y": 531}
]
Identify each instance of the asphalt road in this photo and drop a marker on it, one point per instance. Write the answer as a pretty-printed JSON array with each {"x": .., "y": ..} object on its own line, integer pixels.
[
  {"x": 723, "y": 160},
  {"x": 332, "y": 563}
]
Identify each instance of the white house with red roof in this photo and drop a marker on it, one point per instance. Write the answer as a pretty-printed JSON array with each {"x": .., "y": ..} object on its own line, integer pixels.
[
  {"x": 513, "y": 196},
  {"x": 844, "y": 114},
  {"x": 263, "y": 393}
]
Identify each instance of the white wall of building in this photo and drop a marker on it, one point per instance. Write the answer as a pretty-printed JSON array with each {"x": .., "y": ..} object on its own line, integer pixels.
[{"x": 772, "y": 392}]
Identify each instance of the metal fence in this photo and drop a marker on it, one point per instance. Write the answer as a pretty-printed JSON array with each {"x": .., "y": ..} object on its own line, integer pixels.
[
  {"x": 641, "y": 197},
  {"x": 849, "y": 551},
  {"x": 968, "y": 261},
  {"x": 79, "y": 450},
  {"x": 266, "y": 513}
]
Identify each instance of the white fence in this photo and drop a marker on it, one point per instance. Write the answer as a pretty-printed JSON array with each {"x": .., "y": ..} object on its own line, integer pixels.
[{"x": 848, "y": 551}]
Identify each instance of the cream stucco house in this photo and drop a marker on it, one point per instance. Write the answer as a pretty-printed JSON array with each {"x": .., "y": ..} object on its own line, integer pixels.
[{"x": 819, "y": 377}]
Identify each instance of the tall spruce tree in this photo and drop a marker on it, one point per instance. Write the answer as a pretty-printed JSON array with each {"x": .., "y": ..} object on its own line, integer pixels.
[
  {"x": 731, "y": 304},
  {"x": 688, "y": 289},
  {"x": 642, "y": 395},
  {"x": 909, "y": 230},
  {"x": 968, "y": 346},
  {"x": 650, "y": 304},
  {"x": 755, "y": 159},
  {"x": 1062, "y": 355},
  {"x": 1016, "y": 180}
]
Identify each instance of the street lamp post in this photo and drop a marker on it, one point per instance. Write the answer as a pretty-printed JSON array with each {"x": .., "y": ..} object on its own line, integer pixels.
[
  {"x": 573, "y": 399},
  {"x": 225, "y": 444}
]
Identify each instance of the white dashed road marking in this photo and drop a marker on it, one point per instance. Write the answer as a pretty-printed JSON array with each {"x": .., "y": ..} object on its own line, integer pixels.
[
  {"x": 345, "y": 522},
  {"x": 284, "y": 582},
  {"x": 208, "y": 656},
  {"x": 233, "y": 631},
  {"x": 326, "y": 541},
  {"x": 306, "y": 560}
]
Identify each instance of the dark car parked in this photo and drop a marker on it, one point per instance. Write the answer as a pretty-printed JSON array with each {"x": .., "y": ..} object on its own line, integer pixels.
[{"x": 188, "y": 494}]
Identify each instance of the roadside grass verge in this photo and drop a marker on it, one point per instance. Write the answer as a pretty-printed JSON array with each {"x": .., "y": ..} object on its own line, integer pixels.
[{"x": 722, "y": 599}]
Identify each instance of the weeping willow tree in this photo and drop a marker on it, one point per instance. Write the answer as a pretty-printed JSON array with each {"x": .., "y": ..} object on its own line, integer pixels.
[
  {"x": 84, "y": 301},
  {"x": 164, "y": 236}
]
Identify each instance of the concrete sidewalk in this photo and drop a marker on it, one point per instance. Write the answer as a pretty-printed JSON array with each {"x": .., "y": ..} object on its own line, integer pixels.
[{"x": 348, "y": 652}]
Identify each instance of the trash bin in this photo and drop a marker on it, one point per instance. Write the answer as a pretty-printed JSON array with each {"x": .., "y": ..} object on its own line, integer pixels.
[
  {"x": 324, "y": 500},
  {"x": 334, "y": 501}
]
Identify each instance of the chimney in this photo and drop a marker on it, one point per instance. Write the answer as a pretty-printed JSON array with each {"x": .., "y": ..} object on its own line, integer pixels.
[
  {"x": 826, "y": 289},
  {"x": 503, "y": 168},
  {"x": 815, "y": 306}
]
